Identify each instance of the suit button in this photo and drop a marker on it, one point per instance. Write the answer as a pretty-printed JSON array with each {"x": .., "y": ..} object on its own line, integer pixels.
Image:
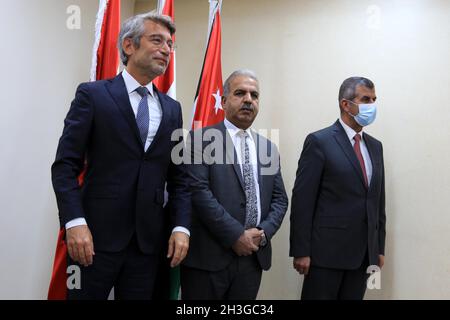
[{"x": 242, "y": 204}]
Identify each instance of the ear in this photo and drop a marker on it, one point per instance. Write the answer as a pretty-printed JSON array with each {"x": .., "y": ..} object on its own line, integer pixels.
[
  {"x": 345, "y": 105},
  {"x": 223, "y": 100},
  {"x": 128, "y": 46}
]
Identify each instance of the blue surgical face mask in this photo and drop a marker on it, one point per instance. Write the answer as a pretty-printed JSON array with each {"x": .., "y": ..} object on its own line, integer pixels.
[{"x": 367, "y": 113}]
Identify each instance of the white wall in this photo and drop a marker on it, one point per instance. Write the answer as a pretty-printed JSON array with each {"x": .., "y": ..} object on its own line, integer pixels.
[{"x": 301, "y": 50}]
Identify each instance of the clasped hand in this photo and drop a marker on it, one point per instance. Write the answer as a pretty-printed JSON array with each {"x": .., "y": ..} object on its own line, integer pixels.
[{"x": 248, "y": 242}]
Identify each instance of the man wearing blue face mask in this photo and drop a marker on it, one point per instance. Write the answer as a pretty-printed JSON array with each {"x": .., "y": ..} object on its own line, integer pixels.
[{"x": 338, "y": 202}]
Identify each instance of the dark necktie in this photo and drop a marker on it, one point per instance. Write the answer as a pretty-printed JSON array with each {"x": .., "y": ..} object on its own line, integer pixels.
[
  {"x": 357, "y": 148},
  {"x": 251, "y": 203},
  {"x": 142, "y": 117}
]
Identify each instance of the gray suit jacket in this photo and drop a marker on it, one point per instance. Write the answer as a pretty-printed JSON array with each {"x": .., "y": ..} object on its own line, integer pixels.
[{"x": 218, "y": 198}]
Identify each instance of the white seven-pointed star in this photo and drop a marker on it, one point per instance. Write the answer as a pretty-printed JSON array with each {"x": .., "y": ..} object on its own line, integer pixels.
[{"x": 218, "y": 98}]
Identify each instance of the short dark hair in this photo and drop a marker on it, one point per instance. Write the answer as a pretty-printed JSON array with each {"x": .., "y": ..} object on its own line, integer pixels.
[{"x": 347, "y": 90}]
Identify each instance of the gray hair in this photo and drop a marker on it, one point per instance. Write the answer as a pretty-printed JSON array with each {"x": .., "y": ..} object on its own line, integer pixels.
[
  {"x": 347, "y": 90},
  {"x": 237, "y": 73},
  {"x": 133, "y": 28}
]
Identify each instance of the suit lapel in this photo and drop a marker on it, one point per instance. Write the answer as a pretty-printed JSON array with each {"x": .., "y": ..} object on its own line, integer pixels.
[
  {"x": 164, "y": 119},
  {"x": 373, "y": 158},
  {"x": 118, "y": 92},
  {"x": 346, "y": 146}
]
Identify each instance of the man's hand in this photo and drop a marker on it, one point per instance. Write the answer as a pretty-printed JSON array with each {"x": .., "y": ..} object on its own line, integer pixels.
[
  {"x": 257, "y": 238},
  {"x": 302, "y": 264},
  {"x": 248, "y": 242},
  {"x": 80, "y": 245},
  {"x": 178, "y": 247},
  {"x": 380, "y": 261}
]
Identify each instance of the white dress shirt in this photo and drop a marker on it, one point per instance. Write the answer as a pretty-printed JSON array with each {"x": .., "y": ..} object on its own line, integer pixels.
[
  {"x": 154, "y": 107},
  {"x": 236, "y": 138},
  {"x": 365, "y": 153},
  {"x": 155, "y": 116}
]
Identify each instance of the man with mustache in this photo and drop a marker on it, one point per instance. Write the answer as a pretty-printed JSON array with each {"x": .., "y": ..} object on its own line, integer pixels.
[
  {"x": 115, "y": 223},
  {"x": 238, "y": 199}
]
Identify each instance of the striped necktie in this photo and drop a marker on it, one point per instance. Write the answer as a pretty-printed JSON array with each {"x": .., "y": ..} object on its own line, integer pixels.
[{"x": 142, "y": 117}]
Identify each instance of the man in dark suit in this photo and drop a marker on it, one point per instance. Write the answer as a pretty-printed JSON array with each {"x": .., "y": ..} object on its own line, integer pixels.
[
  {"x": 238, "y": 199},
  {"x": 338, "y": 204},
  {"x": 122, "y": 127}
]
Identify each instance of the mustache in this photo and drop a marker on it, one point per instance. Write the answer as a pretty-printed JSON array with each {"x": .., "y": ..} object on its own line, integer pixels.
[{"x": 247, "y": 107}]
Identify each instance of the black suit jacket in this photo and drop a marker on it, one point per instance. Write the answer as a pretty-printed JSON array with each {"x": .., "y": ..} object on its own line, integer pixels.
[
  {"x": 335, "y": 218},
  {"x": 123, "y": 189},
  {"x": 218, "y": 201}
]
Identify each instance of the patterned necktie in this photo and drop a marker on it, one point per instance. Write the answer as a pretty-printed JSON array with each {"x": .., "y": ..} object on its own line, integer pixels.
[
  {"x": 357, "y": 148},
  {"x": 142, "y": 117},
  {"x": 251, "y": 204}
]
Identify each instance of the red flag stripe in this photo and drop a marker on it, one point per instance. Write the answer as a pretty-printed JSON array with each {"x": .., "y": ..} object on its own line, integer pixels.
[
  {"x": 107, "y": 54},
  {"x": 106, "y": 61},
  {"x": 58, "y": 288},
  {"x": 166, "y": 82},
  {"x": 208, "y": 110}
]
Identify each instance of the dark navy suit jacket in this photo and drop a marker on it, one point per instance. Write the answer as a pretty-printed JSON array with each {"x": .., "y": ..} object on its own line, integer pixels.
[
  {"x": 123, "y": 189},
  {"x": 335, "y": 218}
]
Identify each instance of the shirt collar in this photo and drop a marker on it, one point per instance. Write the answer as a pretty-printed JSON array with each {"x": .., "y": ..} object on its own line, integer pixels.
[
  {"x": 131, "y": 83},
  {"x": 349, "y": 131},
  {"x": 233, "y": 130}
]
